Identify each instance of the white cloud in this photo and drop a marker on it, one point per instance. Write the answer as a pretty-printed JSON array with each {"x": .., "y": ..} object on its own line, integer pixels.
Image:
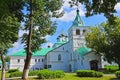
[
  {"x": 17, "y": 46},
  {"x": 117, "y": 6},
  {"x": 70, "y": 13},
  {"x": 69, "y": 16}
]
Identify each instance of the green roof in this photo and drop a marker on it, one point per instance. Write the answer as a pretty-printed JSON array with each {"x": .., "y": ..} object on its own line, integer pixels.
[
  {"x": 83, "y": 50},
  {"x": 41, "y": 52},
  {"x": 57, "y": 44},
  {"x": 78, "y": 21}
]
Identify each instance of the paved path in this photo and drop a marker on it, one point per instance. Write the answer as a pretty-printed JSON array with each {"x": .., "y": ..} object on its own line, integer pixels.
[{"x": 17, "y": 78}]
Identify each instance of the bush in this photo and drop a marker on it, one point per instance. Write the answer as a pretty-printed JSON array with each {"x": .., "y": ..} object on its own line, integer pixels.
[
  {"x": 34, "y": 73},
  {"x": 88, "y": 73},
  {"x": 47, "y": 74},
  {"x": 13, "y": 70},
  {"x": 15, "y": 74},
  {"x": 117, "y": 73}
]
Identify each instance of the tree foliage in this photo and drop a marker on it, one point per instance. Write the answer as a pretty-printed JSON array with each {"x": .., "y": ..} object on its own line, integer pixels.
[
  {"x": 43, "y": 10},
  {"x": 93, "y": 7},
  {"x": 10, "y": 17},
  {"x": 38, "y": 24},
  {"x": 105, "y": 40}
]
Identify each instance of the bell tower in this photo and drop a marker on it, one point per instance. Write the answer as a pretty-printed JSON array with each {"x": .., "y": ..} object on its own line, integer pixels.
[{"x": 76, "y": 32}]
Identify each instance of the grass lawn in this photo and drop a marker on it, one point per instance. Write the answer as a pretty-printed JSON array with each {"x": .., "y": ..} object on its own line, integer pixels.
[
  {"x": 112, "y": 67},
  {"x": 72, "y": 76}
]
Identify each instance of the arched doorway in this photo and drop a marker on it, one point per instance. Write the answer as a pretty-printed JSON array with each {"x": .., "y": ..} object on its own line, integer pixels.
[{"x": 94, "y": 65}]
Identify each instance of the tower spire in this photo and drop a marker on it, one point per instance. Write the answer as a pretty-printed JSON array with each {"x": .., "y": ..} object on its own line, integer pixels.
[{"x": 77, "y": 21}]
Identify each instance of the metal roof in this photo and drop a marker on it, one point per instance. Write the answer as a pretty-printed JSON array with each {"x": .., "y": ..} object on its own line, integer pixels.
[
  {"x": 41, "y": 52},
  {"x": 83, "y": 50}
]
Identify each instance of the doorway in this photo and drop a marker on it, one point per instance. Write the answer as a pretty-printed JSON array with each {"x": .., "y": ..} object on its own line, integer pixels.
[{"x": 94, "y": 65}]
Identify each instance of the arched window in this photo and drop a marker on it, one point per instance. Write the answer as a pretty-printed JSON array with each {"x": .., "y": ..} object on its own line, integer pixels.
[
  {"x": 59, "y": 57},
  {"x": 84, "y": 31},
  {"x": 77, "y": 32}
]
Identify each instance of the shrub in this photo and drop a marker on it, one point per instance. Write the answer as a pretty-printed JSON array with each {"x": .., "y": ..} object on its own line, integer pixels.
[
  {"x": 34, "y": 73},
  {"x": 89, "y": 73},
  {"x": 59, "y": 73},
  {"x": 16, "y": 74},
  {"x": 47, "y": 74},
  {"x": 117, "y": 73},
  {"x": 13, "y": 70}
]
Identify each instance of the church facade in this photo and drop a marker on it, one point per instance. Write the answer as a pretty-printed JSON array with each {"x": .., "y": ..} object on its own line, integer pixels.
[{"x": 69, "y": 53}]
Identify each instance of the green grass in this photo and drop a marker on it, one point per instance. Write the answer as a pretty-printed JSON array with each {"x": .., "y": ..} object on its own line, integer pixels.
[
  {"x": 73, "y": 76},
  {"x": 111, "y": 67}
]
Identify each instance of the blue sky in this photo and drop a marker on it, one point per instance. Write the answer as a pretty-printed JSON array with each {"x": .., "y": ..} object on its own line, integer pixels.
[{"x": 65, "y": 22}]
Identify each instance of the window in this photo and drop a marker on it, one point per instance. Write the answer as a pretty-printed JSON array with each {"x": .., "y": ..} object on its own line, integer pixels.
[
  {"x": 78, "y": 57},
  {"x": 63, "y": 48},
  {"x": 18, "y": 60},
  {"x": 35, "y": 60},
  {"x": 49, "y": 66},
  {"x": 38, "y": 60},
  {"x": 84, "y": 31},
  {"x": 42, "y": 60},
  {"x": 59, "y": 57},
  {"x": 77, "y": 32},
  {"x": 0, "y": 66}
]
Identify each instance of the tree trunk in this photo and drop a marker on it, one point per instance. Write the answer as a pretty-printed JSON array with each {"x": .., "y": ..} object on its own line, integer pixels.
[
  {"x": 26, "y": 67},
  {"x": 29, "y": 52},
  {"x": 3, "y": 67}
]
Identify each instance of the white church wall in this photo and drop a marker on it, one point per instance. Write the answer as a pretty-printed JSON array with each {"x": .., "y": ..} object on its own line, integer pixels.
[
  {"x": 83, "y": 63},
  {"x": 17, "y": 62},
  {"x": 92, "y": 56},
  {"x": 56, "y": 64}
]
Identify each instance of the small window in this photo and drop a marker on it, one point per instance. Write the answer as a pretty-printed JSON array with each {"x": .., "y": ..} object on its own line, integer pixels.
[
  {"x": 35, "y": 60},
  {"x": 84, "y": 31},
  {"x": 38, "y": 60},
  {"x": 63, "y": 48},
  {"x": 42, "y": 60},
  {"x": 59, "y": 57},
  {"x": 77, "y": 32},
  {"x": 78, "y": 57},
  {"x": 49, "y": 66},
  {"x": 18, "y": 60}
]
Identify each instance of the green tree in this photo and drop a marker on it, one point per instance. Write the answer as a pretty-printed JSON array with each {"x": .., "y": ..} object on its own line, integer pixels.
[
  {"x": 105, "y": 40},
  {"x": 38, "y": 24},
  {"x": 94, "y": 7},
  {"x": 10, "y": 15}
]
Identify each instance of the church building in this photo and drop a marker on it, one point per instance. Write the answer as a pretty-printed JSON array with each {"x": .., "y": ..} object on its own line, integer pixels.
[{"x": 69, "y": 53}]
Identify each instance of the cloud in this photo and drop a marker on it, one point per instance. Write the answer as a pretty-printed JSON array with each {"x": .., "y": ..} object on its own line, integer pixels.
[
  {"x": 70, "y": 13},
  {"x": 17, "y": 46},
  {"x": 117, "y": 6},
  {"x": 69, "y": 16}
]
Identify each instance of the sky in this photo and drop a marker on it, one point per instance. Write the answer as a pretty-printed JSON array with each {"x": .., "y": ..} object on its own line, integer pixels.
[{"x": 64, "y": 23}]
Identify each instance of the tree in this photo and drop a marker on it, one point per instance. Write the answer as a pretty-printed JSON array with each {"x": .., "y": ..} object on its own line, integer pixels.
[
  {"x": 10, "y": 15},
  {"x": 94, "y": 7},
  {"x": 8, "y": 35},
  {"x": 105, "y": 40},
  {"x": 38, "y": 24}
]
